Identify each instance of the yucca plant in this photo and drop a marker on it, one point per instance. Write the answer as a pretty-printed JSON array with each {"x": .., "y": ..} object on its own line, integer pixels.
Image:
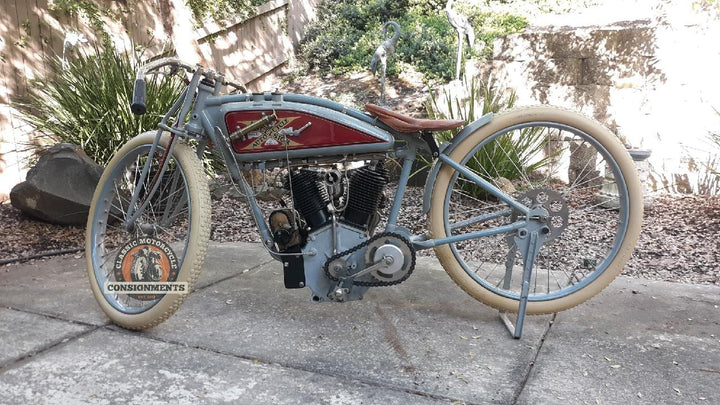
[
  {"x": 715, "y": 169},
  {"x": 88, "y": 102},
  {"x": 471, "y": 101},
  {"x": 715, "y": 138},
  {"x": 709, "y": 181},
  {"x": 507, "y": 155}
]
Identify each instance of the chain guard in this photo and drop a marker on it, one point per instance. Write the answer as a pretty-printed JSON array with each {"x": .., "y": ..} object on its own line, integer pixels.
[{"x": 408, "y": 268}]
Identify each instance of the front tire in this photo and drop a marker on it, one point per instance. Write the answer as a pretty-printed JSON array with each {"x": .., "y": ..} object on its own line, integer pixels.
[
  {"x": 549, "y": 157},
  {"x": 176, "y": 219}
]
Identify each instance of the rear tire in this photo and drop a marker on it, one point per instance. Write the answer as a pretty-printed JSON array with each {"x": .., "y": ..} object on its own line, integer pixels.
[
  {"x": 592, "y": 239},
  {"x": 178, "y": 215}
]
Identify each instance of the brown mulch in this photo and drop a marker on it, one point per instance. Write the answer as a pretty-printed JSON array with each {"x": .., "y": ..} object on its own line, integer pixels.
[
  {"x": 679, "y": 240},
  {"x": 23, "y": 236}
]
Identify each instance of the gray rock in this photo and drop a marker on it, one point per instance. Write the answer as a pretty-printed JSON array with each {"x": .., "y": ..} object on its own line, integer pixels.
[{"x": 60, "y": 186}]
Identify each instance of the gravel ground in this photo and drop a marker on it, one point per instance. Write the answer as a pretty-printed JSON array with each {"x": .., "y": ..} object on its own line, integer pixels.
[{"x": 678, "y": 241}]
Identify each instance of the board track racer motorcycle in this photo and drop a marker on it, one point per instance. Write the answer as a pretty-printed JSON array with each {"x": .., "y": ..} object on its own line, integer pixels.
[{"x": 531, "y": 211}]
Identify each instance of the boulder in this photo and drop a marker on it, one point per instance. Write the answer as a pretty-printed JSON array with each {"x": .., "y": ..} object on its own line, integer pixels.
[{"x": 60, "y": 187}]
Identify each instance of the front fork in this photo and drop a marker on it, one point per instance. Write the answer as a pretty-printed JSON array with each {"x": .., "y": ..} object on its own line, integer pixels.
[{"x": 183, "y": 105}]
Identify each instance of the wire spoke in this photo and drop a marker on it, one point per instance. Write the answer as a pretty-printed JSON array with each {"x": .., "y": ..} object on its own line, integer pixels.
[
  {"x": 165, "y": 216},
  {"x": 537, "y": 154}
]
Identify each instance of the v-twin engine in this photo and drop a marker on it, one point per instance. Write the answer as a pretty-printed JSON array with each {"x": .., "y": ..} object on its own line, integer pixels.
[
  {"x": 352, "y": 197},
  {"x": 333, "y": 211}
]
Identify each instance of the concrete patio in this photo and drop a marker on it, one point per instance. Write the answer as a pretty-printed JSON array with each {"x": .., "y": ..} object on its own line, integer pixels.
[{"x": 241, "y": 337}]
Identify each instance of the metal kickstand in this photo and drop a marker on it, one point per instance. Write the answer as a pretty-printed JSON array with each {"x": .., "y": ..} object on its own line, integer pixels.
[{"x": 530, "y": 247}]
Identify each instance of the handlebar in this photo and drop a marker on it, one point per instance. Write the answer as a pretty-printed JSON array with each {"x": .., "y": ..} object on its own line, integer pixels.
[{"x": 139, "y": 106}]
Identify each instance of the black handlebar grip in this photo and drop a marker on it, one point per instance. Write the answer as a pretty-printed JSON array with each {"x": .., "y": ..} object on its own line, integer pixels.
[{"x": 138, "y": 106}]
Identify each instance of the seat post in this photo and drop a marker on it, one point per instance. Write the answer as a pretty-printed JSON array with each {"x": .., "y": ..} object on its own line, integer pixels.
[
  {"x": 428, "y": 137},
  {"x": 408, "y": 159}
]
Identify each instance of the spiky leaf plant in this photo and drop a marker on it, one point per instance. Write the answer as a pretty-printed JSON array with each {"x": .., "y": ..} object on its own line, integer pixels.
[
  {"x": 502, "y": 158},
  {"x": 88, "y": 102}
]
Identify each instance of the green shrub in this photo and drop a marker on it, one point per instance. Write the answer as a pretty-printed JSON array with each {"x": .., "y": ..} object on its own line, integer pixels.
[
  {"x": 490, "y": 24},
  {"x": 88, "y": 103},
  {"x": 346, "y": 34},
  {"x": 429, "y": 44}
]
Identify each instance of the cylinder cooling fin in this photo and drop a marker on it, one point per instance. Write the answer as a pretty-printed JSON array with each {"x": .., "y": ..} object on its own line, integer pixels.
[
  {"x": 310, "y": 197},
  {"x": 366, "y": 193}
]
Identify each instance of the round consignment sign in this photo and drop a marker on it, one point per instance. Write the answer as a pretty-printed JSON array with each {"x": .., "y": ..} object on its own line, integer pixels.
[{"x": 146, "y": 268}]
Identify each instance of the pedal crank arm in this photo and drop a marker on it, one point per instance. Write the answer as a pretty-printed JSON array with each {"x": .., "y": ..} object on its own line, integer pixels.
[{"x": 382, "y": 264}]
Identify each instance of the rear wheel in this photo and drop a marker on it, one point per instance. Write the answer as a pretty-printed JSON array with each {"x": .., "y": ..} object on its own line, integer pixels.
[
  {"x": 554, "y": 160},
  {"x": 141, "y": 273}
]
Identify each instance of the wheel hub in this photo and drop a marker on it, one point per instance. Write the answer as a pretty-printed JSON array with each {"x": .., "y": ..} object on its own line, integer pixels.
[{"x": 553, "y": 206}]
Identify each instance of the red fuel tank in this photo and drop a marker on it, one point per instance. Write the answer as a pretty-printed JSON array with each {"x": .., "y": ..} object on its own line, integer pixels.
[{"x": 293, "y": 130}]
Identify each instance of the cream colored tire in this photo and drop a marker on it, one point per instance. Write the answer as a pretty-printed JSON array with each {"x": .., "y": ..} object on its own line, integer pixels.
[
  {"x": 188, "y": 236},
  {"x": 555, "y": 298}
]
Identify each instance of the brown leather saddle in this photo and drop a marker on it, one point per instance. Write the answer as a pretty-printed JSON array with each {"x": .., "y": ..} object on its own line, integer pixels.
[{"x": 404, "y": 123}]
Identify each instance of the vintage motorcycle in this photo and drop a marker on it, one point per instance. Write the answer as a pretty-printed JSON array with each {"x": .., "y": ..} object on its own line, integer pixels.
[{"x": 530, "y": 211}]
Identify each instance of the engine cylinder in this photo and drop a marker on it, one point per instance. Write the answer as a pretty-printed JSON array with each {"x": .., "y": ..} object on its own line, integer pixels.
[
  {"x": 366, "y": 187},
  {"x": 310, "y": 197}
]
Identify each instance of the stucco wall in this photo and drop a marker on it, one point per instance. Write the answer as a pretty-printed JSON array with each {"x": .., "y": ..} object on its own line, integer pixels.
[{"x": 653, "y": 81}]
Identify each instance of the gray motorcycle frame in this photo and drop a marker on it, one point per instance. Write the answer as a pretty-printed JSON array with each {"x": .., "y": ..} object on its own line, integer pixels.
[
  {"x": 199, "y": 113},
  {"x": 201, "y": 109},
  {"x": 207, "y": 122}
]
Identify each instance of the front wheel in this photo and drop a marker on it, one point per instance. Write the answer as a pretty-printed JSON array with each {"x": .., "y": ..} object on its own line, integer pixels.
[
  {"x": 141, "y": 272},
  {"x": 554, "y": 160}
]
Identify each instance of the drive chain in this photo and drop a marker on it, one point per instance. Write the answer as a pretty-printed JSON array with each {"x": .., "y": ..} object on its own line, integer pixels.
[{"x": 354, "y": 249}]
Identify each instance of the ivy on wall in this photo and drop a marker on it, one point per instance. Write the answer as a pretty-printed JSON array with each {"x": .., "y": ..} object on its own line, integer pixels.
[
  {"x": 91, "y": 13},
  {"x": 220, "y": 10},
  {"x": 82, "y": 8}
]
